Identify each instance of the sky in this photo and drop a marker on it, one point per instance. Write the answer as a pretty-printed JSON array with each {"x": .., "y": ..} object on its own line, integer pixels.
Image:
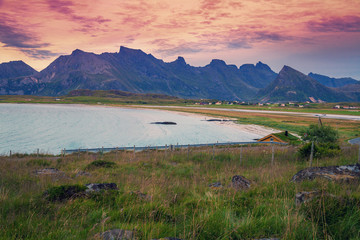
[{"x": 320, "y": 36}]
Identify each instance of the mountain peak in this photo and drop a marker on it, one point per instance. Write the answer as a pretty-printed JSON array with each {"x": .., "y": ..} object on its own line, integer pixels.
[
  {"x": 262, "y": 66},
  {"x": 77, "y": 51},
  {"x": 180, "y": 60},
  {"x": 217, "y": 62},
  {"x": 125, "y": 50}
]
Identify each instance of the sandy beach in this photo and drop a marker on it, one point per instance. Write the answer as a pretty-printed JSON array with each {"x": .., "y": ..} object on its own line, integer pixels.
[{"x": 249, "y": 128}]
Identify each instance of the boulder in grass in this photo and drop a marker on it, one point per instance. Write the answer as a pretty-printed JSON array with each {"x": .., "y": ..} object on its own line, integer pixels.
[
  {"x": 345, "y": 173},
  {"x": 303, "y": 197},
  {"x": 51, "y": 172},
  {"x": 240, "y": 183},
  {"x": 216, "y": 185},
  {"x": 97, "y": 187},
  {"x": 116, "y": 234}
]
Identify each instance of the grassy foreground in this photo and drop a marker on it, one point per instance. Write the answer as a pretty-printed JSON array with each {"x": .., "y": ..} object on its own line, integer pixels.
[{"x": 167, "y": 194}]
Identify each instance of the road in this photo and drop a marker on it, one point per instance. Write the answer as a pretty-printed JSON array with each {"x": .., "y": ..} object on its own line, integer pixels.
[{"x": 303, "y": 114}]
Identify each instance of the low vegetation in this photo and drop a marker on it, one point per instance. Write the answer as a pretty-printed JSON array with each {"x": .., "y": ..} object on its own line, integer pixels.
[{"x": 168, "y": 194}]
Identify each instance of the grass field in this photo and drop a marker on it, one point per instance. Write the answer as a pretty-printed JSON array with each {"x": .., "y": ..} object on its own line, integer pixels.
[{"x": 167, "y": 194}]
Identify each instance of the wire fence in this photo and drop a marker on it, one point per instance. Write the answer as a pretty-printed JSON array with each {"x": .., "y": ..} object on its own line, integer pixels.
[{"x": 163, "y": 147}]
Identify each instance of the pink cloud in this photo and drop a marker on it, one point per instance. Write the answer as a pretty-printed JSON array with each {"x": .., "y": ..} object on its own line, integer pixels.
[{"x": 335, "y": 24}]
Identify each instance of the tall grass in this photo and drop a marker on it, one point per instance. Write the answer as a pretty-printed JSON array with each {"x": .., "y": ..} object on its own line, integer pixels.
[{"x": 175, "y": 199}]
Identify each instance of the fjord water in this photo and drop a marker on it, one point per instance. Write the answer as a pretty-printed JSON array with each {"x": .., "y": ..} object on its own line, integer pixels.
[{"x": 50, "y": 128}]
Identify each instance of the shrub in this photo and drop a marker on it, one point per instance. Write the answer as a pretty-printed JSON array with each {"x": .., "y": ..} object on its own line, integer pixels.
[
  {"x": 101, "y": 164},
  {"x": 63, "y": 192},
  {"x": 321, "y": 134},
  {"x": 38, "y": 162},
  {"x": 325, "y": 142},
  {"x": 320, "y": 150}
]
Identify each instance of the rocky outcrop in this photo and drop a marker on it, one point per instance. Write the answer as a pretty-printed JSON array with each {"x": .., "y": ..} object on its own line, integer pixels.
[
  {"x": 240, "y": 183},
  {"x": 345, "y": 173}
]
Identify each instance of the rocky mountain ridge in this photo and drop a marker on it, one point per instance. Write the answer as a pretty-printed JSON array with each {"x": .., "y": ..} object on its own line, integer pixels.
[{"x": 138, "y": 72}]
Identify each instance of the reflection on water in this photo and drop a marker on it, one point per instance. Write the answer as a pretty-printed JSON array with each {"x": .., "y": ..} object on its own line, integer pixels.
[{"x": 26, "y": 127}]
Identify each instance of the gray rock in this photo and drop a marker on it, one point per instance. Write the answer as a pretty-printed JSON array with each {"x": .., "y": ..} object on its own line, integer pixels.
[
  {"x": 345, "y": 173},
  {"x": 82, "y": 173},
  {"x": 48, "y": 171},
  {"x": 51, "y": 172},
  {"x": 116, "y": 234},
  {"x": 240, "y": 183},
  {"x": 96, "y": 187},
  {"x": 303, "y": 197},
  {"x": 216, "y": 185}
]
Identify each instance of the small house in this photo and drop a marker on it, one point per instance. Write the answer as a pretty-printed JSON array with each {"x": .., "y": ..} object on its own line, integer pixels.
[
  {"x": 281, "y": 137},
  {"x": 271, "y": 138}
]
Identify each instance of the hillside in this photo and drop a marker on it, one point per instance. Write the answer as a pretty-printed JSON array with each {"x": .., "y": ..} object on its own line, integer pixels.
[
  {"x": 333, "y": 82},
  {"x": 292, "y": 85}
]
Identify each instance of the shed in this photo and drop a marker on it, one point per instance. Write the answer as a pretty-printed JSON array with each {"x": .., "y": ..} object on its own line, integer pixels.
[{"x": 271, "y": 138}]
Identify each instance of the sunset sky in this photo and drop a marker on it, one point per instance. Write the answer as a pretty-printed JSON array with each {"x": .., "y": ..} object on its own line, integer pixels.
[{"x": 322, "y": 36}]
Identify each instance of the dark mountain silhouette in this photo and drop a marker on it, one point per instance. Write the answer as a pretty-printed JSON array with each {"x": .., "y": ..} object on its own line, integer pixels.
[
  {"x": 292, "y": 85},
  {"x": 15, "y": 69},
  {"x": 333, "y": 82},
  {"x": 14, "y": 78},
  {"x": 134, "y": 71}
]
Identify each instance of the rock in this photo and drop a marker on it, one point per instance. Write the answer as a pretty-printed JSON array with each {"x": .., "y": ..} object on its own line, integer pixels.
[
  {"x": 48, "y": 171},
  {"x": 345, "y": 173},
  {"x": 164, "y": 123},
  {"x": 116, "y": 234},
  {"x": 240, "y": 182},
  {"x": 96, "y": 187},
  {"x": 82, "y": 173},
  {"x": 303, "y": 197},
  {"x": 52, "y": 172},
  {"x": 216, "y": 185}
]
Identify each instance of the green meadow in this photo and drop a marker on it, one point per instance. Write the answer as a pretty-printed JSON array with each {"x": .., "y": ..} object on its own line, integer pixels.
[{"x": 169, "y": 194}]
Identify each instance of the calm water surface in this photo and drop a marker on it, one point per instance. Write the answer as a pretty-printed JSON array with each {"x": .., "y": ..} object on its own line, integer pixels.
[{"x": 27, "y": 127}]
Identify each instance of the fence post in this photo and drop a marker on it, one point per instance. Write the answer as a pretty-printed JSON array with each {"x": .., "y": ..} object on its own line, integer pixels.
[
  {"x": 64, "y": 152},
  {"x": 37, "y": 152},
  {"x": 240, "y": 154},
  {"x": 116, "y": 153},
  {"x": 134, "y": 151},
  {"x": 188, "y": 151},
  {"x": 213, "y": 152},
  {"x": 273, "y": 153},
  {"x": 312, "y": 153},
  {"x": 78, "y": 153}
]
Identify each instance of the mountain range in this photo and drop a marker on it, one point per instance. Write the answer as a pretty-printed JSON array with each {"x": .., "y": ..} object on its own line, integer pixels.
[{"x": 135, "y": 71}]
